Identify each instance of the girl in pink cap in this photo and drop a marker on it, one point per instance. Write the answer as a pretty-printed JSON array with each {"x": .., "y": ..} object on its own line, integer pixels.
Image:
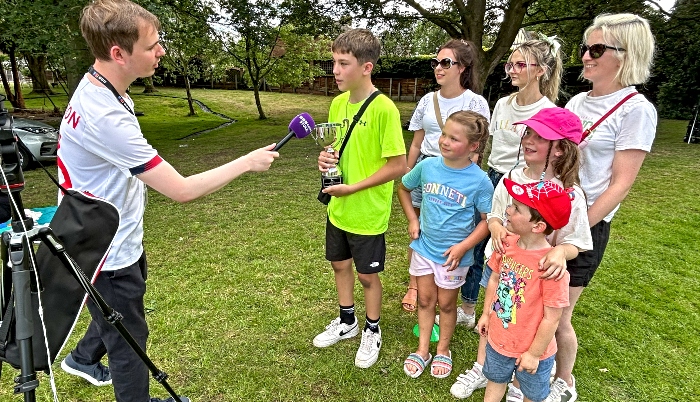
[{"x": 550, "y": 150}]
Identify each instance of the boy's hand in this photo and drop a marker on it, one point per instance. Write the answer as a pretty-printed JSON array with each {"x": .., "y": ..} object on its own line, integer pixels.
[
  {"x": 454, "y": 255},
  {"x": 528, "y": 362},
  {"x": 483, "y": 325},
  {"x": 339, "y": 190},
  {"x": 498, "y": 236},
  {"x": 414, "y": 229},
  {"x": 327, "y": 161}
]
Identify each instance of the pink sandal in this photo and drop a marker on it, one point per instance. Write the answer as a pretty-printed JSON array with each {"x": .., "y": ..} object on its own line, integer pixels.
[{"x": 442, "y": 361}]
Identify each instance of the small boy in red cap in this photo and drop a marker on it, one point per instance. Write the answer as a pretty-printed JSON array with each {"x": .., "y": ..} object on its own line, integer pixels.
[{"x": 521, "y": 310}]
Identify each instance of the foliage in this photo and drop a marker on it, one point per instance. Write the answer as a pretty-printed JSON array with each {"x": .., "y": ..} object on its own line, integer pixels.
[
  {"x": 568, "y": 19},
  {"x": 260, "y": 36},
  {"x": 38, "y": 28},
  {"x": 492, "y": 23},
  {"x": 295, "y": 66},
  {"x": 677, "y": 70},
  {"x": 404, "y": 67},
  {"x": 404, "y": 38},
  {"x": 186, "y": 39},
  {"x": 238, "y": 284}
]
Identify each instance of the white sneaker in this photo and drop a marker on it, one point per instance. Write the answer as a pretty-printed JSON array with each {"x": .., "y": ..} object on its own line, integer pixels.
[
  {"x": 368, "y": 353},
  {"x": 334, "y": 332},
  {"x": 561, "y": 392},
  {"x": 514, "y": 394},
  {"x": 468, "y": 382},
  {"x": 462, "y": 318}
]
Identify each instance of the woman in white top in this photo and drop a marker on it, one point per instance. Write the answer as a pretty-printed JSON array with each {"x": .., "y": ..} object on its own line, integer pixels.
[
  {"x": 617, "y": 53},
  {"x": 535, "y": 68},
  {"x": 456, "y": 73}
]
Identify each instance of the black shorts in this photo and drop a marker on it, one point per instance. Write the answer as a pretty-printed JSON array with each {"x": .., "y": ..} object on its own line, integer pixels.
[
  {"x": 368, "y": 252},
  {"x": 582, "y": 268}
]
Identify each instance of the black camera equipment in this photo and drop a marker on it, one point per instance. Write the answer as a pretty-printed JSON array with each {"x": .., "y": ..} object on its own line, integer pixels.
[{"x": 83, "y": 226}]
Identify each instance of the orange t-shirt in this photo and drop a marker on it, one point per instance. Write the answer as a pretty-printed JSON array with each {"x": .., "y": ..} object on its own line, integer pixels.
[{"x": 518, "y": 306}]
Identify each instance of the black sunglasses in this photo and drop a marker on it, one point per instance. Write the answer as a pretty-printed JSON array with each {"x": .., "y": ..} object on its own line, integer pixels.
[
  {"x": 444, "y": 63},
  {"x": 596, "y": 50}
]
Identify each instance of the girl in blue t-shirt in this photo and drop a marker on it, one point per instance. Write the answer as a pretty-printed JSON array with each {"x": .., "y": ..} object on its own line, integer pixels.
[{"x": 445, "y": 234}]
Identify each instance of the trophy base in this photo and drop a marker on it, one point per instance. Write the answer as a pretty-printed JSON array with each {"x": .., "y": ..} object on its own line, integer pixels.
[{"x": 327, "y": 181}]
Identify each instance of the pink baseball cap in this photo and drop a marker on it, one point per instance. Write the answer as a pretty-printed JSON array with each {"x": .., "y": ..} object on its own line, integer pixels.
[
  {"x": 555, "y": 124},
  {"x": 547, "y": 197}
]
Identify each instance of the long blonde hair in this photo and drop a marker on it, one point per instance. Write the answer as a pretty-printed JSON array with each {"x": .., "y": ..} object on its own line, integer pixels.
[{"x": 546, "y": 55}]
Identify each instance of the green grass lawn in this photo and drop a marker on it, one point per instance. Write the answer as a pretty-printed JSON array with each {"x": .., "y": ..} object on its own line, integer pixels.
[{"x": 238, "y": 284}]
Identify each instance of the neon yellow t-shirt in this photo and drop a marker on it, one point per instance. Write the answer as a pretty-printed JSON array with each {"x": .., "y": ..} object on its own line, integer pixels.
[{"x": 376, "y": 137}]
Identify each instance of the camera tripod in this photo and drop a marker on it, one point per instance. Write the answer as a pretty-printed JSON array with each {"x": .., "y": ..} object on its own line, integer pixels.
[{"x": 18, "y": 259}]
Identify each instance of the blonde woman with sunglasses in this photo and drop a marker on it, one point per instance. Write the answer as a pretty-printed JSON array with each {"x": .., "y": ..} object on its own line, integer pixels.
[
  {"x": 456, "y": 72},
  {"x": 617, "y": 53}
]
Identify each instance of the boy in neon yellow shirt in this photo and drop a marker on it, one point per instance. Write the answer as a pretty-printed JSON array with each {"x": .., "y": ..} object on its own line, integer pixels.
[{"x": 358, "y": 213}]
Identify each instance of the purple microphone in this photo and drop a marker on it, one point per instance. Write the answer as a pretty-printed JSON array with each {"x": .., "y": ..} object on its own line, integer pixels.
[{"x": 300, "y": 126}]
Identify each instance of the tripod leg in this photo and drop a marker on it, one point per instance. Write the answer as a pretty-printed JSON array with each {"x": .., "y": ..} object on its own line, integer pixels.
[
  {"x": 20, "y": 256},
  {"x": 110, "y": 315}
]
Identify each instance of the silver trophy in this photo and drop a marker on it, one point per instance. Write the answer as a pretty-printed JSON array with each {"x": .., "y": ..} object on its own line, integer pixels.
[{"x": 330, "y": 136}]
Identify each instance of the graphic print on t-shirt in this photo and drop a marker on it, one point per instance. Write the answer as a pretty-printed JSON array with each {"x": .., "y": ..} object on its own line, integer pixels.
[{"x": 510, "y": 293}]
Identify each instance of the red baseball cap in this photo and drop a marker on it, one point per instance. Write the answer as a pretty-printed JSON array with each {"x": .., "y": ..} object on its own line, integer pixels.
[
  {"x": 547, "y": 197},
  {"x": 555, "y": 124}
]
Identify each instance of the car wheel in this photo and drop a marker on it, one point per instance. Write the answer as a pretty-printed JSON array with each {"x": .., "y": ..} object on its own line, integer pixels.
[{"x": 24, "y": 159}]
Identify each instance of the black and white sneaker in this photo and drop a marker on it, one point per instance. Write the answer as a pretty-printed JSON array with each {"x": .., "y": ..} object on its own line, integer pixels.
[
  {"x": 335, "y": 331},
  {"x": 368, "y": 353}
]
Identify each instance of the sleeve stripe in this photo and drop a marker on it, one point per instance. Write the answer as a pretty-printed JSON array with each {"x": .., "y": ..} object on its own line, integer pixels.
[{"x": 146, "y": 166}]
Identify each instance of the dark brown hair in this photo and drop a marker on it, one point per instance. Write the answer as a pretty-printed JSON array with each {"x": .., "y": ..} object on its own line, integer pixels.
[
  {"x": 361, "y": 43},
  {"x": 465, "y": 53}
]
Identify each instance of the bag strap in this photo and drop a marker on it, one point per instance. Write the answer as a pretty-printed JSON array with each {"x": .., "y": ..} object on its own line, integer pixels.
[
  {"x": 356, "y": 118},
  {"x": 7, "y": 321},
  {"x": 590, "y": 129},
  {"x": 438, "y": 115}
]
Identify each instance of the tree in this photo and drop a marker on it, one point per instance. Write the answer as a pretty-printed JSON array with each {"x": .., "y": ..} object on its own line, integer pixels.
[
  {"x": 408, "y": 38},
  {"x": 185, "y": 38},
  {"x": 253, "y": 35},
  {"x": 294, "y": 67},
  {"x": 677, "y": 72},
  {"x": 493, "y": 24},
  {"x": 39, "y": 31}
]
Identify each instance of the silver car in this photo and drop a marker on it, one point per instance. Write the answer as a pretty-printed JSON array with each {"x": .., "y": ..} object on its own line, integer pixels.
[{"x": 40, "y": 138}]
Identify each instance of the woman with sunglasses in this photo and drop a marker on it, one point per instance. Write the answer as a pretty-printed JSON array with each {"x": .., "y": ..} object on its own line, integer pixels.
[
  {"x": 456, "y": 72},
  {"x": 617, "y": 54}
]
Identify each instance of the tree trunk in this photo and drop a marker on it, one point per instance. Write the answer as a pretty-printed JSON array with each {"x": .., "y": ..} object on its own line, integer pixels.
[
  {"x": 19, "y": 99},
  {"x": 6, "y": 85},
  {"x": 189, "y": 96},
  {"x": 258, "y": 103},
  {"x": 37, "y": 66},
  {"x": 148, "y": 87}
]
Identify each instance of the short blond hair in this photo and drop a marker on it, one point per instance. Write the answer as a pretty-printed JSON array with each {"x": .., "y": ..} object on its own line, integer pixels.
[
  {"x": 359, "y": 42},
  {"x": 106, "y": 23},
  {"x": 632, "y": 33}
]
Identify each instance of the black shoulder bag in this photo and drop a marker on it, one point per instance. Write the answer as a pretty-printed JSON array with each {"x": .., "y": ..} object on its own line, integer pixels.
[{"x": 325, "y": 198}]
